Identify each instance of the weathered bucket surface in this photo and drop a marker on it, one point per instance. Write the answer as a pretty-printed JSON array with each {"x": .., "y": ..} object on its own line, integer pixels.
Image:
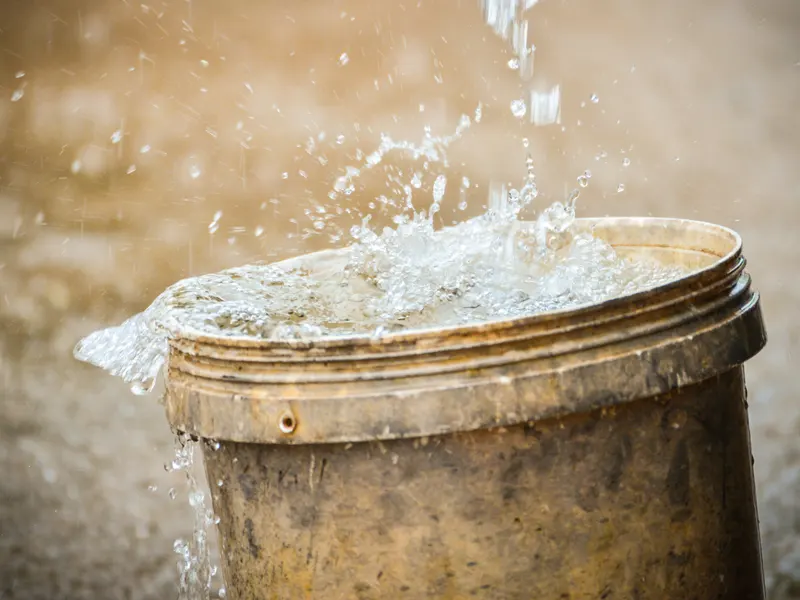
[{"x": 601, "y": 452}]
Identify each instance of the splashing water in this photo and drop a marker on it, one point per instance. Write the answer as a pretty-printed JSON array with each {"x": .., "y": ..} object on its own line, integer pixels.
[{"x": 494, "y": 266}]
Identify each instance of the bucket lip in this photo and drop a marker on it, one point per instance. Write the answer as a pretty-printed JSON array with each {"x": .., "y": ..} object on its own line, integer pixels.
[{"x": 416, "y": 335}]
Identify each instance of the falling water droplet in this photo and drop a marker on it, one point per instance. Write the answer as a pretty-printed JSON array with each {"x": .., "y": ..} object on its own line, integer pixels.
[
  {"x": 131, "y": 170},
  {"x": 142, "y": 388},
  {"x": 116, "y": 137},
  {"x": 259, "y": 231},
  {"x": 583, "y": 180},
  {"x": 439, "y": 187},
  {"x": 75, "y": 167},
  {"x": 513, "y": 64},
  {"x": 195, "y": 172},
  {"x": 626, "y": 162},
  {"x": 19, "y": 74},
  {"x": 620, "y": 188},
  {"x": 343, "y": 59},
  {"x": 17, "y": 95},
  {"x": 595, "y": 98},
  {"x": 144, "y": 149},
  {"x": 518, "y": 108}
]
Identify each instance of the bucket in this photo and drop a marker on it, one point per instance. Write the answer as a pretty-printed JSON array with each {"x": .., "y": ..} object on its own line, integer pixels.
[{"x": 600, "y": 452}]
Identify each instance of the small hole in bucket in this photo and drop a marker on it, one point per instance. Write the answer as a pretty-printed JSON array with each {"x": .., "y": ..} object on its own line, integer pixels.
[{"x": 287, "y": 423}]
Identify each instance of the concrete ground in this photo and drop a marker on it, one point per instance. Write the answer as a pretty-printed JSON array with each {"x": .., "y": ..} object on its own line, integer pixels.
[{"x": 215, "y": 103}]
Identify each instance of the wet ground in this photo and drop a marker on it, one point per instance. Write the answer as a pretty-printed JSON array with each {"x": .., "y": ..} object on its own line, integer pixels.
[{"x": 701, "y": 98}]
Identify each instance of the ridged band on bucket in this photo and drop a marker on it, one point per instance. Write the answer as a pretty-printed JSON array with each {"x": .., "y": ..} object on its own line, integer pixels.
[{"x": 501, "y": 373}]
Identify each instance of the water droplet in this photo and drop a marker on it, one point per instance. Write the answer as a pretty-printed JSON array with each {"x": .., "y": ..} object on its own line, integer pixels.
[
  {"x": 465, "y": 182},
  {"x": 195, "y": 172},
  {"x": 513, "y": 64},
  {"x": 518, "y": 108},
  {"x": 222, "y": 593},
  {"x": 116, "y": 137},
  {"x": 284, "y": 175},
  {"x": 131, "y": 170},
  {"x": 204, "y": 63},
  {"x": 142, "y": 388},
  {"x": 340, "y": 139},
  {"x": 172, "y": 493},
  {"x": 620, "y": 188},
  {"x": 17, "y": 95},
  {"x": 144, "y": 149},
  {"x": 626, "y": 162},
  {"x": 343, "y": 59},
  {"x": 75, "y": 167},
  {"x": 196, "y": 498},
  {"x": 439, "y": 187},
  {"x": 525, "y": 142},
  {"x": 213, "y": 227},
  {"x": 319, "y": 225},
  {"x": 220, "y": 483},
  {"x": 19, "y": 74},
  {"x": 595, "y": 98},
  {"x": 583, "y": 180},
  {"x": 259, "y": 231}
]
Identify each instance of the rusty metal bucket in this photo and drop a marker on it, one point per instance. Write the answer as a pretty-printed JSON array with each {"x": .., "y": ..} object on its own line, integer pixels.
[{"x": 594, "y": 453}]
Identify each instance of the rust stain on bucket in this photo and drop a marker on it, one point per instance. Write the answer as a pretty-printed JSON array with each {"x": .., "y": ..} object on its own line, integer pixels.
[{"x": 593, "y": 453}]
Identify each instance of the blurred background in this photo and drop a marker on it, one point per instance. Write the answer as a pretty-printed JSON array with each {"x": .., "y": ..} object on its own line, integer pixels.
[{"x": 145, "y": 142}]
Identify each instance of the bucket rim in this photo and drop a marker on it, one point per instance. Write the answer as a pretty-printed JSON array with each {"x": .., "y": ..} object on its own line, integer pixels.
[{"x": 426, "y": 335}]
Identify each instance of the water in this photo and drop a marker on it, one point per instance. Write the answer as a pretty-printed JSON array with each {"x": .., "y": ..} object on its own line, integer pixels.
[
  {"x": 195, "y": 569},
  {"x": 411, "y": 276}
]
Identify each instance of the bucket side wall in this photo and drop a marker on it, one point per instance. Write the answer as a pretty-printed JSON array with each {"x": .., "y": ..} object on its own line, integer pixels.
[{"x": 652, "y": 499}]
